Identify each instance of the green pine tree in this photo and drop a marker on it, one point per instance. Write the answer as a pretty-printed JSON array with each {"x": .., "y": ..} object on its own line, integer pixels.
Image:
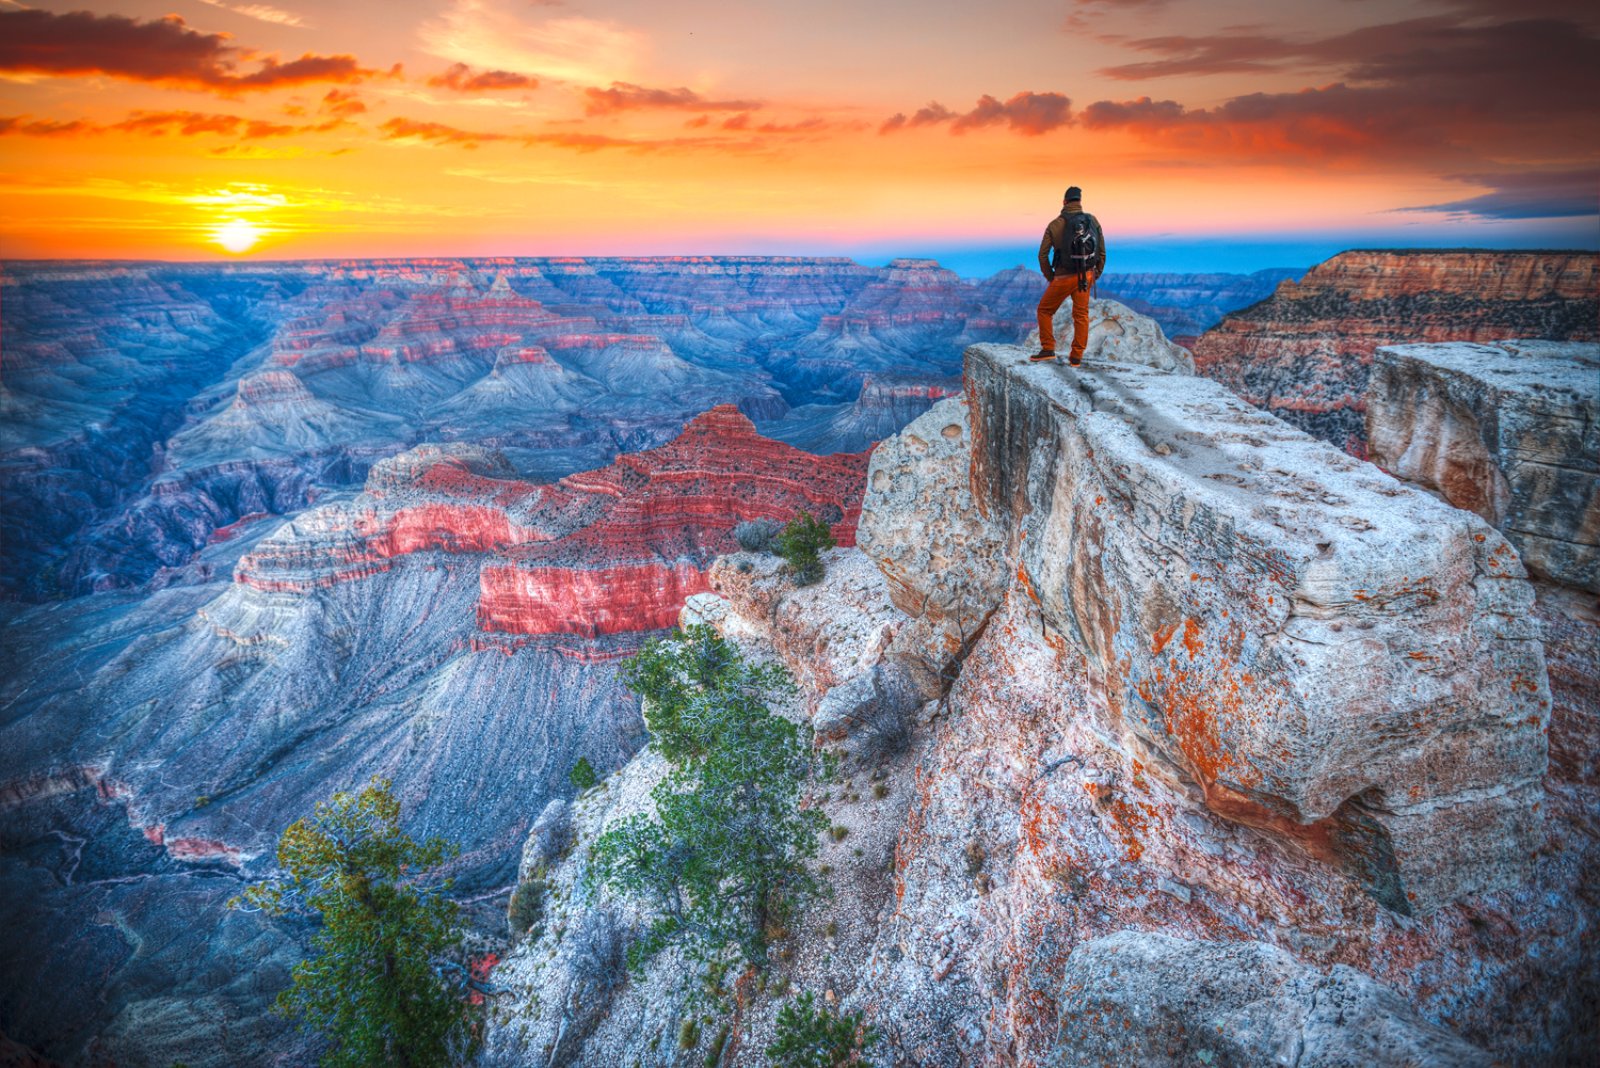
[
  {"x": 722, "y": 860},
  {"x": 374, "y": 985}
]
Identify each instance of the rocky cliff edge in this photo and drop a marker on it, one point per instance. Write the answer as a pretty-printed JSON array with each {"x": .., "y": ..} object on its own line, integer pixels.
[{"x": 1138, "y": 688}]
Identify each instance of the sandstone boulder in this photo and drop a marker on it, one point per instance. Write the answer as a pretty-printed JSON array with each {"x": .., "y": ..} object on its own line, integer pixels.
[
  {"x": 1510, "y": 431},
  {"x": 1322, "y": 649},
  {"x": 1156, "y": 1001}
]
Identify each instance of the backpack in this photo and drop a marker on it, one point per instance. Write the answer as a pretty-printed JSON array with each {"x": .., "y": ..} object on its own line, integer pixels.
[{"x": 1081, "y": 250}]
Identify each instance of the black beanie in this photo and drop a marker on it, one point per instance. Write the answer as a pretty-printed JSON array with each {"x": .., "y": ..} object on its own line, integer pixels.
[{"x": 1074, "y": 193}]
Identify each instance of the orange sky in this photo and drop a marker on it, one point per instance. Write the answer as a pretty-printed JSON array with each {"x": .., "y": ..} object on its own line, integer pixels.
[{"x": 471, "y": 127}]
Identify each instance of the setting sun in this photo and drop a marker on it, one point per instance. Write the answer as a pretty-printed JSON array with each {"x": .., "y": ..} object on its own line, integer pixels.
[{"x": 237, "y": 235}]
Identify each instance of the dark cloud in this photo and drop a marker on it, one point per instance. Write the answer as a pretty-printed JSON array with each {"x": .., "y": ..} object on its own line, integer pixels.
[
  {"x": 461, "y": 78},
  {"x": 1028, "y": 113},
  {"x": 1527, "y": 195},
  {"x": 1583, "y": 11},
  {"x": 164, "y": 50},
  {"x": 931, "y": 115},
  {"x": 1513, "y": 64},
  {"x": 624, "y": 96},
  {"x": 1440, "y": 92},
  {"x": 1105, "y": 114},
  {"x": 1211, "y": 54}
]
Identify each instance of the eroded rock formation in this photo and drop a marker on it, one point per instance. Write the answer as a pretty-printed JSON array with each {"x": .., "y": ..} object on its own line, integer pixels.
[
  {"x": 1317, "y": 646},
  {"x": 1303, "y": 354},
  {"x": 453, "y": 627},
  {"x": 1162, "y": 1002}
]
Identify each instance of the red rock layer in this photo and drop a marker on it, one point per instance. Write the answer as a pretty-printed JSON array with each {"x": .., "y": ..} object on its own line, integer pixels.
[
  {"x": 663, "y": 516},
  {"x": 610, "y": 551}
]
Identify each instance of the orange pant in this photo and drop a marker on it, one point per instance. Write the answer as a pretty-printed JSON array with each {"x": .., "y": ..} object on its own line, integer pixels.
[{"x": 1055, "y": 295}]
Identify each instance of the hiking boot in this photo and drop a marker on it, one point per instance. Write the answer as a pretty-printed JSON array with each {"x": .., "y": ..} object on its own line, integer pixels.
[
  {"x": 1042, "y": 355},
  {"x": 1075, "y": 360}
]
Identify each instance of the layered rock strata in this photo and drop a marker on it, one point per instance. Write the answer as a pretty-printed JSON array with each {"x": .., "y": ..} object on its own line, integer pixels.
[
  {"x": 1508, "y": 431},
  {"x": 1303, "y": 354},
  {"x": 610, "y": 551},
  {"x": 453, "y": 627}
]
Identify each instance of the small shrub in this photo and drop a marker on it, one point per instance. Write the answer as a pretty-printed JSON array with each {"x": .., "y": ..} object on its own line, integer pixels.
[
  {"x": 801, "y": 544},
  {"x": 880, "y": 790},
  {"x": 582, "y": 775},
  {"x": 839, "y": 834},
  {"x": 812, "y": 1037},
  {"x": 688, "y": 1034},
  {"x": 526, "y": 910},
  {"x": 595, "y": 951},
  {"x": 756, "y": 535}
]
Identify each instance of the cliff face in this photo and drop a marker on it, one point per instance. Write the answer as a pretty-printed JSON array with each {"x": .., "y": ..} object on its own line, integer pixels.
[
  {"x": 1510, "y": 432},
  {"x": 1304, "y": 353},
  {"x": 452, "y": 626},
  {"x": 1208, "y": 722}
]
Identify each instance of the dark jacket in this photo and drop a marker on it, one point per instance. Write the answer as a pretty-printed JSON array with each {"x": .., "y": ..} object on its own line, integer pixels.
[{"x": 1053, "y": 236}]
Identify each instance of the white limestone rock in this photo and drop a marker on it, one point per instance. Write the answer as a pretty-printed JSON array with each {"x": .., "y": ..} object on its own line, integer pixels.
[
  {"x": 1118, "y": 334},
  {"x": 1510, "y": 431}
]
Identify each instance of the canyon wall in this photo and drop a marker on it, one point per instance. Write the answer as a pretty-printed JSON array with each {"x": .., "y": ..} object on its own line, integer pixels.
[
  {"x": 147, "y": 406},
  {"x": 452, "y": 626},
  {"x": 1185, "y": 691},
  {"x": 1303, "y": 354}
]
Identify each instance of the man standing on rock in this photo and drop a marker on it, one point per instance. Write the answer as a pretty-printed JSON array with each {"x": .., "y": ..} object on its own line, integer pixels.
[{"x": 1071, "y": 256}]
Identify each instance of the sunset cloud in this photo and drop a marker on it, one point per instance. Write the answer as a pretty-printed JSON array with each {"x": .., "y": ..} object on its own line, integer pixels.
[
  {"x": 745, "y": 123},
  {"x": 164, "y": 51},
  {"x": 1028, "y": 113},
  {"x": 23, "y": 126},
  {"x": 623, "y": 96},
  {"x": 1429, "y": 91},
  {"x": 436, "y": 133},
  {"x": 499, "y": 36},
  {"x": 161, "y": 124},
  {"x": 342, "y": 102},
  {"x": 1527, "y": 195},
  {"x": 263, "y": 12},
  {"x": 461, "y": 78}
]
